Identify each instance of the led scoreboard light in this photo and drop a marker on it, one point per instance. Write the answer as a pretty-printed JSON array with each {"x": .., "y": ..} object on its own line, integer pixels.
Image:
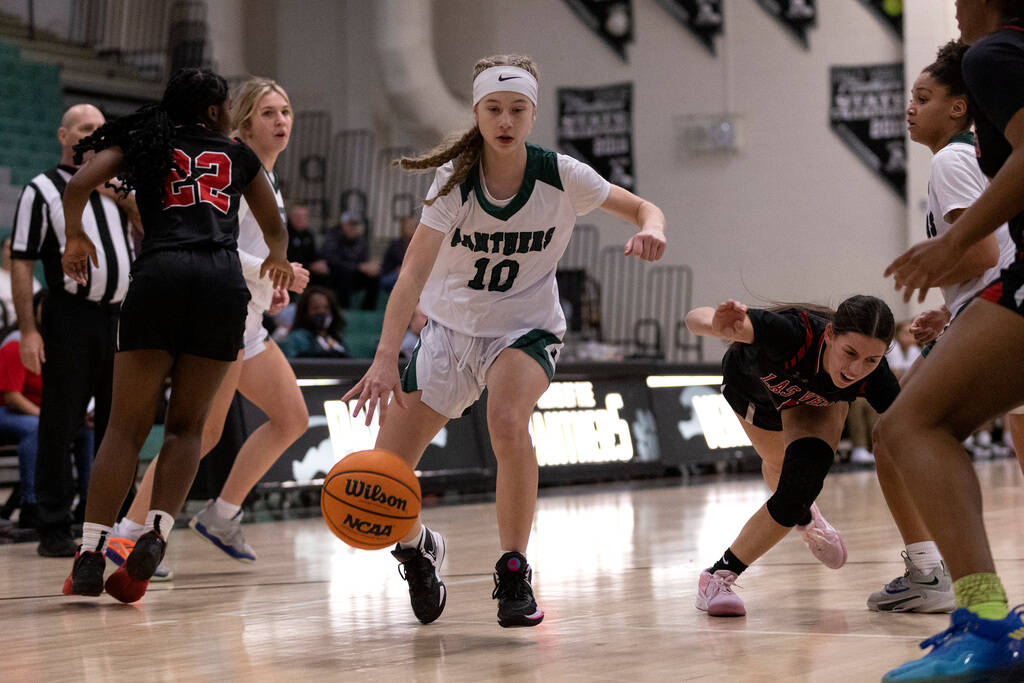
[{"x": 569, "y": 427}]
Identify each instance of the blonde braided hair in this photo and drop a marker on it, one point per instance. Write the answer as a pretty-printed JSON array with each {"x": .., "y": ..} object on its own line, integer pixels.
[{"x": 464, "y": 148}]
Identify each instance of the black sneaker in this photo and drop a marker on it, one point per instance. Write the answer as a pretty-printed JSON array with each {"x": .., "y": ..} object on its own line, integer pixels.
[
  {"x": 421, "y": 568},
  {"x": 129, "y": 582},
  {"x": 512, "y": 589},
  {"x": 86, "y": 577},
  {"x": 56, "y": 543}
]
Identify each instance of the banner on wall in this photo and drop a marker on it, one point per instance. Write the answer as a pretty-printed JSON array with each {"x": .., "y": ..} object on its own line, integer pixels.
[
  {"x": 890, "y": 11},
  {"x": 867, "y": 112},
  {"x": 595, "y": 125},
  {"x": 702, "y": 17},
  {"x": 796, "y": 15},
  {"x": 611, "y": 20}
]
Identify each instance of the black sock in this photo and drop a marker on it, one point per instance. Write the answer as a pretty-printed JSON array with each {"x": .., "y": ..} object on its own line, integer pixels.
[{"x": 729, "y": 562}]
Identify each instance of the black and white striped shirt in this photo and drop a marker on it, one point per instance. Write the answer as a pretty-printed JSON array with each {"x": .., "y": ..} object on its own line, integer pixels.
[{"x": 39, "y": 234}]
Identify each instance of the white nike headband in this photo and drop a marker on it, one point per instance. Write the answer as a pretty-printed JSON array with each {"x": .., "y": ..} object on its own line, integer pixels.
[{"x": 504, "y": 79}]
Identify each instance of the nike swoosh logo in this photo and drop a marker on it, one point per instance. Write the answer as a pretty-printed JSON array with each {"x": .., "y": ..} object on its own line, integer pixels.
[
  {"x": 933, "y": 582},
  {"x": 891, "y": 607},
  {"x": 507, "y": 78}
]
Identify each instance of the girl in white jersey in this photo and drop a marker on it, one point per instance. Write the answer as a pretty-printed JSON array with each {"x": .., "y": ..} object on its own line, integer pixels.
[
  {"x": 481, "y": 265},
  {"x": 939, "y": 116},
  {"x": 262, "y": 116}
]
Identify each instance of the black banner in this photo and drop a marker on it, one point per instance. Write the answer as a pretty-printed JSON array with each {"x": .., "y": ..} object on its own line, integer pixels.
[
  {"x": 612, "y": 20},
  {"x": 890, "y": 11},
  {"x": 703, "y": 17},
  {"x": 867, "y": 112},
  {"x": 795, "y": 15},
  {"x": 595, "y": 126}
]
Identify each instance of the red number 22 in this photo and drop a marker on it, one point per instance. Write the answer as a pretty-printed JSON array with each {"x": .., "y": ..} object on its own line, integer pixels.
[{"x": 214, "y": 176}]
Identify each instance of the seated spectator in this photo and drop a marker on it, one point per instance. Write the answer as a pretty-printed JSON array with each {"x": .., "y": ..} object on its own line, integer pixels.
[
  {"x": 316, "y": 331},
  {"x": 395, "y": 254},
  {"x": 22, "y": 393},
  {"x": 302, "y": 244},
  {"x": 348, "y": 259},
  {"x": 412, "y": 334},
  {"x": 8, "y": 317}
]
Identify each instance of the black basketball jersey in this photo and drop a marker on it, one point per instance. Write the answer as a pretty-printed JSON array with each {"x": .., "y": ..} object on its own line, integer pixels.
[
  {"x": 994, "y": 72},
  {"x": 198, "y": 206},
  {"x": 782, "y": 368}
]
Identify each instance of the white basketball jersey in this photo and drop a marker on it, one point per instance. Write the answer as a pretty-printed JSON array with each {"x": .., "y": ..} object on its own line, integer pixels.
[
  {"x": 495, "y": 272},
  {"x": 250, "y": 241},
  {"x": 956, "y": 182}
]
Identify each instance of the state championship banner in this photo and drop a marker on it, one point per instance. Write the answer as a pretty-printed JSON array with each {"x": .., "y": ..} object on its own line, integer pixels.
[
  {"x": 611, "y": 20},
  {"x": 890, "y": 12},
  {"x": 796, "y": 15},
  {"x": 595, "y": 126},
  {"x": 702, "y": 17},
  {"x": 867, "y": 112}
]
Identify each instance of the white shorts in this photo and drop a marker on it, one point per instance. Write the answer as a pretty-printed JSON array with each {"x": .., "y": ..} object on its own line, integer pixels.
[
  {"x": 451, "y": 368},
  {"x": 255, "y": 333}
]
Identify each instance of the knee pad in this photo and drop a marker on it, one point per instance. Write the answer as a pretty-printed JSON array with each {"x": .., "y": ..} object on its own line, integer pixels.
[{"x": 804, "y": 467}]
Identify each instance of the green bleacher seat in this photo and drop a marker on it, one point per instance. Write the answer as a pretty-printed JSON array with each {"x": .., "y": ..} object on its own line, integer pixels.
[{"x": 151, "y": 447}]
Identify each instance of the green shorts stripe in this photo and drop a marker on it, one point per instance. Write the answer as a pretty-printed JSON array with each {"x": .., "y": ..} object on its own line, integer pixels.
[
  {"x": 534, "y": 344},
  {"x": 409, "y": 383}
]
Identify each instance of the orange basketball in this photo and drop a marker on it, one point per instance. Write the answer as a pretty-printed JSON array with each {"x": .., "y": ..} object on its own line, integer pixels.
[{"x": 370, "y": 499}]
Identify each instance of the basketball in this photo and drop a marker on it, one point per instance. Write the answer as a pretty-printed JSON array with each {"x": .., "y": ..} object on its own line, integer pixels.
[{"x": 370, "y": 499}]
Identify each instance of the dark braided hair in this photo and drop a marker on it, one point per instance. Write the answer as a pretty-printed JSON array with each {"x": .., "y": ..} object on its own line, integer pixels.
[
  {"x": 946, "y": 69},
  {"x": 146, "y": 136}
]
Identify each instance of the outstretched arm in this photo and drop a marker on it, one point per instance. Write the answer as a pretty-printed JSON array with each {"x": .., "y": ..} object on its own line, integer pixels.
[
  {"x": 649, "y": 243},
  {"x": 728, "y": 321}
]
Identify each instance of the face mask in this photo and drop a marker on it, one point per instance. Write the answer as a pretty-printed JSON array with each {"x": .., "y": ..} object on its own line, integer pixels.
[{"x": 321, "y": 321}]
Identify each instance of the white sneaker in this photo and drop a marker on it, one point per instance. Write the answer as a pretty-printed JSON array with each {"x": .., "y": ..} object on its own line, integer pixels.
[
  {"x": 862, "y": 456},
  {"x": 916, "y": 591}
]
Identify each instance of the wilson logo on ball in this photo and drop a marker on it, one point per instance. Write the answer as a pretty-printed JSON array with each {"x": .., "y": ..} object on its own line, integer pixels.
[
  {"x": 358, "y": 488},
  {"x": 365, "y": 527}
]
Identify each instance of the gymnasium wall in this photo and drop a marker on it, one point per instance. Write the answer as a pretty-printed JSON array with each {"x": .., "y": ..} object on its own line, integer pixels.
[{"x": 793, "y": 215}]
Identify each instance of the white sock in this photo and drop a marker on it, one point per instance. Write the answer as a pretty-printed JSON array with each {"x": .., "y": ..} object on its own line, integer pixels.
[
  {"x": 415, "y": 543},
  {"x": 160, "y": 521},
  {"x": 94, "y": 537},
  {"x": 126, "y": 528},
  {"x": 224, "y": 509},
  {"x": 925, "y": 555}
]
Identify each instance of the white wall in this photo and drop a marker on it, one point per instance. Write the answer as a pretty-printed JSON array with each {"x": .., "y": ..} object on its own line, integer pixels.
[{"x": 794, "y": 215}]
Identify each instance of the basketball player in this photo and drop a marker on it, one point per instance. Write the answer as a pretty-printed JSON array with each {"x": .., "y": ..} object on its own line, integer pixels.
[
  {"x": 262, "y": 116},
  {"x": 939, "y": 116},
  {"x": 184, "y": 314},
  {"x": 481, "y": 264},
  {"x": 973, "y": 374},
  {"x": 790, "y": 375}
]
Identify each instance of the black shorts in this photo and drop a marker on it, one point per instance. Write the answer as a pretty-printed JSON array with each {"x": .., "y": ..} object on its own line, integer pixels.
[
  {"x": 752, "y": 411},
  {"x": 185, "y": 302},
  {"x": 1006, "y": 290}
]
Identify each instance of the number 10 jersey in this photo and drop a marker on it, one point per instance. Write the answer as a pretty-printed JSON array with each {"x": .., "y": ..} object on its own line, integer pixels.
[{"x": 495, "y": 272}]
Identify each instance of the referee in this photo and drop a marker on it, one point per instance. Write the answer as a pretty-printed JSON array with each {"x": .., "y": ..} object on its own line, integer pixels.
[{"x": 79, "y": 326}]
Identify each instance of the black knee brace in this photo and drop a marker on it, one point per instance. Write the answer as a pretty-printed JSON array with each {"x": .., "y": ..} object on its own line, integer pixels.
[{"x": 807, "y": 462}]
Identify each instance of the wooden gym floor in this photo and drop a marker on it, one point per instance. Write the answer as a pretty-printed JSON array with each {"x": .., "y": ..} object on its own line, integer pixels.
[{"x": 616, "y": 570}]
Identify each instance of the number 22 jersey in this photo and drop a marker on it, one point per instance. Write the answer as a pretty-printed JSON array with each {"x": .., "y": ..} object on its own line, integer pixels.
[
  {"x": 199, "y": 207},
  {"x": 495, "y": 271}
]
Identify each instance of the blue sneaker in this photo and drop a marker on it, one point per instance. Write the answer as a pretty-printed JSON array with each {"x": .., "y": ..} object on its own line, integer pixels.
[{"x": 971, "y": 649}]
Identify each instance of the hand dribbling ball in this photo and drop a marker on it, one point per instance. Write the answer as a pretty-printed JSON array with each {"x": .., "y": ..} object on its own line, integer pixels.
[{"x": 370, "y": 499}]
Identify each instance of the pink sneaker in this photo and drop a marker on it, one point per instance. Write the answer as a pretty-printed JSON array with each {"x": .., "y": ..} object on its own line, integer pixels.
[
  {"x": 715, "y": 596},
  {"x": 823, "y": 540}
]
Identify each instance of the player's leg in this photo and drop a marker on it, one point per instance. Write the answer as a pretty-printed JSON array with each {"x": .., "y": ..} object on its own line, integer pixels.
[
  {"x": 268, "y": 381},
  {"x": 138, "y": 383},
  {"x": 924, "y": 429},
  {"x": 407, "y": 432},
  {"x": 515, "y": 382}
]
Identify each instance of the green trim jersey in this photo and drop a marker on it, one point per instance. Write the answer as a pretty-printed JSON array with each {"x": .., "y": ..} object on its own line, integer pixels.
[
  {"x": 253, "y": 249},
  {"x": 495, "y": 272},
  {"x": 956, "y": 182}
]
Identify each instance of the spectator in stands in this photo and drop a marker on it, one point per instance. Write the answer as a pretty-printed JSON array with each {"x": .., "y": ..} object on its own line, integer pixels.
[
  {"x": 348, "y": 259},
  {"x": 393, "y": 257},
  {"x": 75, "y": 352},
  {"x": 905, "y": 351},
  {"x": 301, "y": 243},
  {"x": 318, "y": 325},
  {"x": 8, "y": 317},
  {"x": 22, "y": 392}
]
